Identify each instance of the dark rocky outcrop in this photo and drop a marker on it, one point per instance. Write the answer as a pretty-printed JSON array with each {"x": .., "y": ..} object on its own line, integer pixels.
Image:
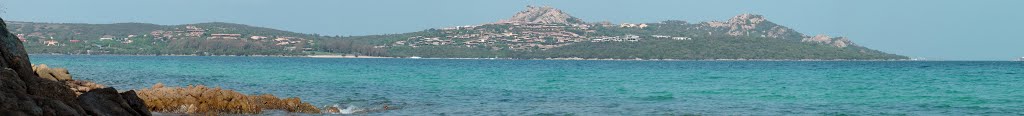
[
  {"x": 24, "y": 91},
  {"x": 107, "y": 101},
  {"x": 62, "y": 75},
  {"x": 135, "y": 102},
  {"x": 32, "y": 90}
]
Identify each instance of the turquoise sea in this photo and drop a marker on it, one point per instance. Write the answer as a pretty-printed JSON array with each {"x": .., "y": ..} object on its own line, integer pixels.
[{"x": 551, "y": 87}]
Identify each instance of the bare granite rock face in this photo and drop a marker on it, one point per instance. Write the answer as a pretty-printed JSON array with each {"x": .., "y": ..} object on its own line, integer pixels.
[
  {"x": 62, "y": 75},
  {"x": 840, "y": 42},
  {"x": 753, "y": 25},
  {"x": 543, "y": 14},
  {"x": 54, "y": 74},
  {"x": 759, "y": 26},
  {"x": 24, "y": 91}
]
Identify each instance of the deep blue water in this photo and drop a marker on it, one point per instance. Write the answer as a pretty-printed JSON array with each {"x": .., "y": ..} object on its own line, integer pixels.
[{"x": 540, "y": 87}]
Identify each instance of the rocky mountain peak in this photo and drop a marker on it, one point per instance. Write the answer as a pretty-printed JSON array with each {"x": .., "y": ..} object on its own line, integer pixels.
[
  {"x": 544, "y": 14},
  {"x": 753, "y": 25},
  {"x": 747, "y": 19}
]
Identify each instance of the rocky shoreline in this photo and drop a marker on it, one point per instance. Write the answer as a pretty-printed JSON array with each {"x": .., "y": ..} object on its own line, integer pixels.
[
  {"x": 200, "y": 99},
  {"x": 194, "y": 99},
  {"x": 33, "y": 90},
  {"x": 25, "y": 91}
]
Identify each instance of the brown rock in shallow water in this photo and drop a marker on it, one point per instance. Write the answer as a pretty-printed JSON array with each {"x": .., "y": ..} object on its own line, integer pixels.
[
  {"x": 44, "y": 73},
  {"x": 53, "y": 74},
  {"x": 203, "y": 100},
  {"x": 80, "y": 86},
  {"x": 61, "y": 74},
  {"x": 293, "y": 104},
  {"x": 158, "y": 85}
]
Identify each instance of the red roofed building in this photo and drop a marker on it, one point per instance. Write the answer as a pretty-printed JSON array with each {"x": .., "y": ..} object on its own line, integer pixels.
[{"x": 22, "y": 37}]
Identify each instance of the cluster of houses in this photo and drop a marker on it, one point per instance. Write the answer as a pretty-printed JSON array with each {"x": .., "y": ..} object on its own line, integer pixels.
[
  {"x": 281, "y": 41},
  {"x": 224, "y": 36},
  {"x": 43, "y": 39},
  {"x": 522, "y": 36},
  {"x": 198, "y": 32},
  {"x": 126, "y": 40},
  {"x": 420, "y": 40},
  {"x": 22, "y": 37},
  {"x": 628, "y": 38},
  {"x": 188, "y": 32},
  {"x": 533, "y": 46},
  {"x": 631, "y": 25},
  {"x": 670, "y": 37},
  {"x": 517, "y": 36}
]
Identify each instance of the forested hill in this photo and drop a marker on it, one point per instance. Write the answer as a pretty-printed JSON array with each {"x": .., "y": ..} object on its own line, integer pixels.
[
  {"x": 535, "y": 33},
  {"x": 216, "y": 38},
  {"x": 545, "y": 32}
]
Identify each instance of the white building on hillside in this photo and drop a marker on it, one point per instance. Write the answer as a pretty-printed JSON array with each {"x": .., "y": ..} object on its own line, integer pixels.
[{"x": 682, "y": 38}]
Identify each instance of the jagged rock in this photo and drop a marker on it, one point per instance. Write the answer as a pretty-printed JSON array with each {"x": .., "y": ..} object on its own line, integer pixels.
[
  {"x": 61, "y": 74},
  {"x": 54, "y": 107},
  {"x": 753, "y": 25},
  {"x": 757, "y": 26},
  {"x": 45, "y": 74},
  {"x": 53, "y": 90},
  {"x": 543, "y": 15},
  {"x": 53, "y": 74},
  {"x": 332, "y": 109},
  {"x": 840, "y": 42},
  {"x": 293, "y": 104},
  {"x": 818, "y": 38},
  {"x": 80, "y": 86},
  {"x": 14, "y": 100},
  {"x": 33, "y": 95},
  {"x": 203, "y": 100},
  {"x": 135, "y": 102},
  {"x": 25, "y": 91},
  {"x": 106, "y": 102},
  {"x": 14, "y": 55}
]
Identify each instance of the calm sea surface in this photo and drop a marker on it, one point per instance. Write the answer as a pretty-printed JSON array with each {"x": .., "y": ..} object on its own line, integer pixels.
[{"x": 542, "y": 87}]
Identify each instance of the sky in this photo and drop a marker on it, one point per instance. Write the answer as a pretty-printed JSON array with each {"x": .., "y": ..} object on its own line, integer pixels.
[{"x": 928, "y": 29}]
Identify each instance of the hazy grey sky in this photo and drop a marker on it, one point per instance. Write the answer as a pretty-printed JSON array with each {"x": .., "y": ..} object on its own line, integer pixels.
[{"x": 933, "y": 29}]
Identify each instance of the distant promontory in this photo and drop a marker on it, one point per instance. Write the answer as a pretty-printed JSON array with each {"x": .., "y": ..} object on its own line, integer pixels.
[{"x": 535, "y": 33}]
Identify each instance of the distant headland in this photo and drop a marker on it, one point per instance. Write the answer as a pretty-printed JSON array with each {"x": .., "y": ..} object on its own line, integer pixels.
[{"x": 535, "y": 33}]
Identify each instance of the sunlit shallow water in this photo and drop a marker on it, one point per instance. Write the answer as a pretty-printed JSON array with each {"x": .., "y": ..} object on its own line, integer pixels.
[{"x": 541, "y": 87}]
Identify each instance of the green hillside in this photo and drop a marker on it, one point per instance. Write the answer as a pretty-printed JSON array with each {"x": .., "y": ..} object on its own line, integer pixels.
[
  {"x": 151, "y": 39},
  {"x": 538, "y": 33}
]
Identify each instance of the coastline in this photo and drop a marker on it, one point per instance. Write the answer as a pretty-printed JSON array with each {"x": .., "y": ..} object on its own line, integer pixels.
[
  {"x": 555, "y": 59},
  {"x": 345, "y": 56}
]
